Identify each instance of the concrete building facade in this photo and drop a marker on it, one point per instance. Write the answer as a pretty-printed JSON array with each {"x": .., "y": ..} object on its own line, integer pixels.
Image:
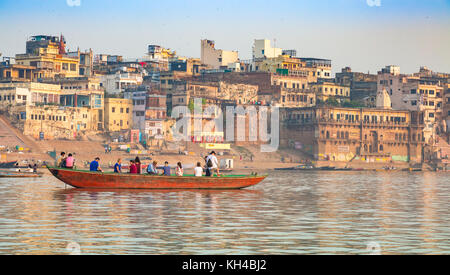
[
  {"x": 118, "y": 114},
  {"x": 117, "y": 83},
  {"x": 345, "y": 134},
  {"x": 216, "y": 58},
  {"x": 262, "y": 49}
]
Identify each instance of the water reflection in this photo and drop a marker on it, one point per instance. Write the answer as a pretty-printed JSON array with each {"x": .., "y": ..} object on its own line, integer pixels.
[{"x": 289, "y": 213}]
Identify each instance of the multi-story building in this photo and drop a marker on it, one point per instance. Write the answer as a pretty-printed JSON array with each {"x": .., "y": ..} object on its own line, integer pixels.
[
  {"x": 312, "y": 68},
  {"x": 118, "y": 114},
  {"x": 16, "y": 73},
  {"x": 327, "y": 89},
  {"x": 86, "y": 62},
  {"x": 216, "y": 58},
  {"x": 155, "y": 114},
  {"x": 415, "y": 94},
  {"x": 160, "y": 56},
  {"x": 105, "y": 59},
  {"x": 345, "y": 134},
  {"x": 271, "y": 86},
  {"x": 190, "y": 66},
  {"x": 263, "y": 49},
  {"x": 55, "y": 122},
  {"x": 283, "y": 65},
  {"x": 117, "y": 83},
  {"x": 362, "y": 85},
  {"x": 295, "y": 98},
  {"x": 320, "y": 68},
  {"x": 47, "y": 54},
  {"x": 82, "y": 92},
  {"x": 28, "y": 93},
  {"x": 138, "y": 96}
]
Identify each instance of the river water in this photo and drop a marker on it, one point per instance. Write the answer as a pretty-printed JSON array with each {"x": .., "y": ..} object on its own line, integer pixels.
[{"x": 289, "y": 213}]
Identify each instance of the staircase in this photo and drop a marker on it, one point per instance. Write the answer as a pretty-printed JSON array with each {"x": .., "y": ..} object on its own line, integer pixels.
[{"x": 443, "y": 149}]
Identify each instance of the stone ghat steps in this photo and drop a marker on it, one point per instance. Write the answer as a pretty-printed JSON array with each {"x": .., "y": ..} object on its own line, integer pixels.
[{"x": 9, "y": 135}]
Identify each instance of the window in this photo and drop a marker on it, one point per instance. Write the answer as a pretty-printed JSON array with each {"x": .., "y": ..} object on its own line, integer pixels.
[
  {"x": 121, "y": 110},
  {"x": 414, "y": 103},
  {"x": 128, "y": 110},
  {"x": 431, "y": 115},
  {"x": 73, "y": 67},
  {"x": 113, "y": 109},
  {"x": 65, "y": 67},
  {"x": 413, "y": 91}
]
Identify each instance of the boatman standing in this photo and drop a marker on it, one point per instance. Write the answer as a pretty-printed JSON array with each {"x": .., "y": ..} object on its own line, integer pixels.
[{"x": 213, "y": 163}]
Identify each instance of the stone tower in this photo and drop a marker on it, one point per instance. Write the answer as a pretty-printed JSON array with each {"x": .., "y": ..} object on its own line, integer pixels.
[{"x": 383, "y": 100}]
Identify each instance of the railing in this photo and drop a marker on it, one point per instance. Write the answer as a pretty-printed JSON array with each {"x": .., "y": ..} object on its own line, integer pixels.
[{"x": 334, "y": 121}]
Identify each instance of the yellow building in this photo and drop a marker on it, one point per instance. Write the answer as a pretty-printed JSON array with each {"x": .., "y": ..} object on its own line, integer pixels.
[
  {"x": 326, "y": 90},
  {"x": 286, "y": 65},
  {"x": 47, "y": 54},
  {"x": 118, "y": 114},
  {"x": 282, "y": 64}
]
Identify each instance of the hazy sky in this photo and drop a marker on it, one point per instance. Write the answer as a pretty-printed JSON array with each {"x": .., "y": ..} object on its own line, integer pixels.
[{"x": 355, "y": 33}]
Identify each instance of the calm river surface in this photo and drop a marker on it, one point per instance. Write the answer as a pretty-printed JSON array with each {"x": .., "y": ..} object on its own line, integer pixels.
[{"x": 289, "y": 213}]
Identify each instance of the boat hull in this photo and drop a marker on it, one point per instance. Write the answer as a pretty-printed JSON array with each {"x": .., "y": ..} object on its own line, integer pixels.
[
  {"x": 7, "y": 165},
  {"x": 93, "y": 180}
]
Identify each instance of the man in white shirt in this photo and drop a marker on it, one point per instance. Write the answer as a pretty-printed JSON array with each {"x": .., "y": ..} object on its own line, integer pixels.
[
  {"x": 198, "y": 171},
  {"x": 214, "y": 163}
]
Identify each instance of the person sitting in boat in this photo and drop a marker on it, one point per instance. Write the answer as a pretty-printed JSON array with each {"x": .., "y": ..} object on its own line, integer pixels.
[
  {"x": 62, "y": 160},
  {"x": 133, "y": 168},
  {"x": 151, "y": 168},
  {"x": 213, "y": 164},
  {"x": 95, "y": 166},
  {"x": 118, "y": 166},
  {"x": 166, "y": 169},
  {"x": 70, "y": 161},
  {"x": 179, "y": 171},
  {"x": 35, "y": 168},
  {"x": 137, "y": 162},
  {"x": 198, "y": 171}
]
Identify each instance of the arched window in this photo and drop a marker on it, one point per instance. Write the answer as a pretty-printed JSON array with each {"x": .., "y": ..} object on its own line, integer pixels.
[
  {"x": 328, "y": 134},
  {"x": 347, "y": 135},
  {"x": 381, "y": 148}
]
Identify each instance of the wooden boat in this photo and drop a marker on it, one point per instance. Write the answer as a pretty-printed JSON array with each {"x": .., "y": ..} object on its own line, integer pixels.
[
  {"x": 328, "y": 168},
  {"x": 20, "y": 175},
  {"x": 97, "y": 180},
  {"x": 299, "y": 167},
  {"x": 7, "y": 165}
]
